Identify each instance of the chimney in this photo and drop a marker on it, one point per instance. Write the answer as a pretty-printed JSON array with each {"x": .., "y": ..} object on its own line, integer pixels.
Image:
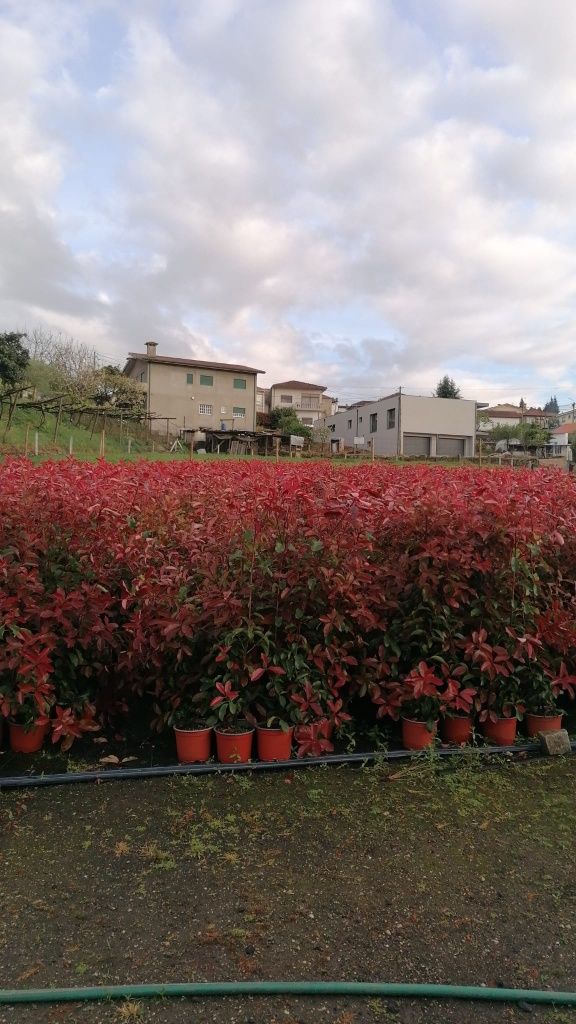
[{"x": 151, "y": 347}]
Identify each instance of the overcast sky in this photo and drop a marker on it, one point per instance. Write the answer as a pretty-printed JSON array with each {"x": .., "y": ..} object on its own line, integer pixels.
[{"x": 359, "y": 193}]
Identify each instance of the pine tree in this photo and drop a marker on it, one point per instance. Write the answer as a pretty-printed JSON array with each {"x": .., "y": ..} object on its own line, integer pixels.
[{"x": 447, "y": 388}]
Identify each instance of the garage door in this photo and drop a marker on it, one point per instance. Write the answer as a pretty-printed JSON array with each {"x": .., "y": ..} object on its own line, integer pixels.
[
  {"x": 451, "y": 446},
  {"x": 416, "y": 444}
]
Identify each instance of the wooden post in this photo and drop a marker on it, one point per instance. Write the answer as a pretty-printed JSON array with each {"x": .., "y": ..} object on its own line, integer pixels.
[
  {"x": 102, "y": 443},
  {"x": 26, "y": 440},
  {"x": 58, "y": 418},
  {"x": 70, "y": 445},
  {"x": 36, "y": 443},
  {"x": 121, "y": 415},
  {"x": 129, "y": 445},
  {"x": 372, "y": 447},
  {"x": 277, "y": 446}
]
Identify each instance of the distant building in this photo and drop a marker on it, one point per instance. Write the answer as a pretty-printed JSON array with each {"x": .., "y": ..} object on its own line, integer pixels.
[
  {"x": 402, "y": 424},
  {"x": 194, "y": 394},
  {"x": 308, "y": 401},
  {"x": 507, "y": 415},
  {"x": 563, "y": 436}
]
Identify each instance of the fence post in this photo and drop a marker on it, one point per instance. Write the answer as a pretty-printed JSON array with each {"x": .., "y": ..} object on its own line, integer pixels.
[
  {"x": 26, "y": 440},
  {"x": 102, "y": 443},
  {"x": 36, "y": 442},
  {"x": 129, "y": 445},
  {"x": 70, "y": 445}
]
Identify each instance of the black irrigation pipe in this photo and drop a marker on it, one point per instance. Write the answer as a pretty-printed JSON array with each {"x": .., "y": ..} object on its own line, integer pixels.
[{"x": 214, "y": 768}]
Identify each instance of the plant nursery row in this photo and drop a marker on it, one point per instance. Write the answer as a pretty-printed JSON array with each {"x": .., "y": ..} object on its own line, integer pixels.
[{"x": 293, "y": 600}]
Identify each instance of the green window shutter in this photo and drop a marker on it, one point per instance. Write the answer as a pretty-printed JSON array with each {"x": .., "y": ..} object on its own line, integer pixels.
[
  {"x": 240, "y": 383},
  {"x": 189, "y": 378},
  {"x": 207, "y": 379}
]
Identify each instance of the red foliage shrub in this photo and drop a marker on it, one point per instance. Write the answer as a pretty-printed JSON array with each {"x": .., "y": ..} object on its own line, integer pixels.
[{"x": 296, "y": 587}]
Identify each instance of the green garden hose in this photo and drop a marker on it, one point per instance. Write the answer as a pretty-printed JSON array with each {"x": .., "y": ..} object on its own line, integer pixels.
[{"x": 203, "y": 989}]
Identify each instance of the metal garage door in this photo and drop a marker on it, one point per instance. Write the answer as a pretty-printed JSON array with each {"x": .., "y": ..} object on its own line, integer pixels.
[
  {"x": 416, "y": 444},
  {"x": 452, "y": 446}
]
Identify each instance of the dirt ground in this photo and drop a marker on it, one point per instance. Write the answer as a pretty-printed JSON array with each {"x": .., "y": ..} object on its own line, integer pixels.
[{"x": 420, "y": 873}]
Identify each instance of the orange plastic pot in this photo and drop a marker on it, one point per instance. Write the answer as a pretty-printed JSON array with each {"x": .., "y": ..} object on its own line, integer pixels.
[
  {"x": 274, "y": 744},
  {"x": 457, "y": 729},
  {"x": 502, "y": 732},
  {"x": 27, "y": 742},
  {"x": 234, "y": 747},
  {"x": 417, "y": 735},
  {"x": 193, "y": 744},
  {"x": 542, "y": 723}
]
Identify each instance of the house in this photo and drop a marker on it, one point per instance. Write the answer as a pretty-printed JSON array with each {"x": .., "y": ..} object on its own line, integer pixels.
[
  {"x": 194, "y": 394},
  {"x": 308, "y": 401},
  {"x": 568, "y": 416},
  {"x": 507, "y": 415},
  {"x": 563, "y": 436},
  {"x": 402, "y": 424}
]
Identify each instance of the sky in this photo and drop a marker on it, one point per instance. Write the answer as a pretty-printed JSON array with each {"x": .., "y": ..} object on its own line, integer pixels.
[{"x": 363, "y": 194}]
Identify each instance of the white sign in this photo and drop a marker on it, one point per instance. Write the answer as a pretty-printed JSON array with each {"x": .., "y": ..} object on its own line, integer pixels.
[
  {"x": 296, "y": 441},
  {"x": 359, "y": 440}
]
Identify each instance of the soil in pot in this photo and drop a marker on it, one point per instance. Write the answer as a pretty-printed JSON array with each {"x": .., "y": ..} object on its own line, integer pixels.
[
  {"x": 457, "y": 729},
  {"x": 28, "y": 741},
  {"x": 193, "y": 745},
  {"x": 542, "y": 723},
  {"x": 501, "y": 733},
  {"x": 417, "y": 735},
  {"x": 234, "y": 747},
  {"x": 274, "y": 744}
]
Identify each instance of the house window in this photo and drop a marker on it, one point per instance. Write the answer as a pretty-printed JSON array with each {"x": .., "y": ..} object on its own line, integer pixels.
[
  {"x": 307, "y": 421},
  {"x": 207, "y": 379},
  {"x": 373, "y": 422},
  {"x": 240, "y": 383},
  {"x": 360, "y": 419},
  {"x": 143, "y": 376},
  {"x": 189, "y": 378},
  {"x": 332, "y": 427},
  {"x": 349, "y": 424},
  {"x": 239, "y": 412},
  {"x": 205, "y": 410},
  {"x": 286, "y": 399},
  {"x": 390, "y": 418}
]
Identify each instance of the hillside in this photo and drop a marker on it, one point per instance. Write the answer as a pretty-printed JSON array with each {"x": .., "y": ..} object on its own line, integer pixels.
[{"x": 85, "y": 443}]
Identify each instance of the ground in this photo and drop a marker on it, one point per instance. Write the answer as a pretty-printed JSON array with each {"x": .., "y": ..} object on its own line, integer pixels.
[{"x": 419, "y": 872}]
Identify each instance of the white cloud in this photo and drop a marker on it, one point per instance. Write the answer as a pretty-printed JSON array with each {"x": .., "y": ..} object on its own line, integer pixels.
[{"x": 252, "y": 164}]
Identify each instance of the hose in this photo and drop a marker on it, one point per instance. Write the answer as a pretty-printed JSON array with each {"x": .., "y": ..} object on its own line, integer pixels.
[
  {"x": 112, "y": 774},
  {"x": 203, "y": 989}
]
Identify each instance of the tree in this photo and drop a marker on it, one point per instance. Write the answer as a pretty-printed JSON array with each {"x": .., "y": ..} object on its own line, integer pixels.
[
  {"x": 287, "y": 421},
  {"x": 447, "y": 388},
  {"x": 14, "y": 359},
  {"x": 552, "y": 406}
]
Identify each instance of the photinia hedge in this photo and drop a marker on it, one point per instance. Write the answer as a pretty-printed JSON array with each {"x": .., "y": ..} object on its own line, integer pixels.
[{"x": 289, "y": 594}]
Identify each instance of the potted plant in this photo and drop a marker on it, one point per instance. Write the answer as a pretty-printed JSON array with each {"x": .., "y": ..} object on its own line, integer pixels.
[
  {"x": 500, "y": 699},
  {"x": 542, "y": 687},
  {"x": 234, "y": 732},
  {"x": 192, "y": 734},
  {"x": 314, "y": 728},
  {"x": 421, "y": 700},
  {"x": 28, "y": 723},
  {"x": 458, "y": 708},
  {"x": 500, "y": 710}
]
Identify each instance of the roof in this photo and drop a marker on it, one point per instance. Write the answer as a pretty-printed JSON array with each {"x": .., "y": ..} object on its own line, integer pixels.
[
  {"x": 299, "y": 384},
  {"x": 202, "y": 363},
  {"x": 506, "y": 409},
  {"x": 565, "y": 428}
]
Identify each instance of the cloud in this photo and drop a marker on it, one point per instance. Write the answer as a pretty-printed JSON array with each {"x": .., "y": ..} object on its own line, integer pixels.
[{"x": 232, "y": 177}]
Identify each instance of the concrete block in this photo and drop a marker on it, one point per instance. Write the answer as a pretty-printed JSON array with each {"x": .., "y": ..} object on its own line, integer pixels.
[{"x": 555, "y": 743}]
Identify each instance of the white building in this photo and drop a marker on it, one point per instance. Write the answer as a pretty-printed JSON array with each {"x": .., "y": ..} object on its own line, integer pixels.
[{"x": 402, "y": 424}]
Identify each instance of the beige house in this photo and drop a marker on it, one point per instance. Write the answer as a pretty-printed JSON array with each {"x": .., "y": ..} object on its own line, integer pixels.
[
  {"x": 194, "y": 394},
  {"x": 403, "y": 424},
  {"x": 308, "y": 401},
  {"x": 507, "y": 415}
]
